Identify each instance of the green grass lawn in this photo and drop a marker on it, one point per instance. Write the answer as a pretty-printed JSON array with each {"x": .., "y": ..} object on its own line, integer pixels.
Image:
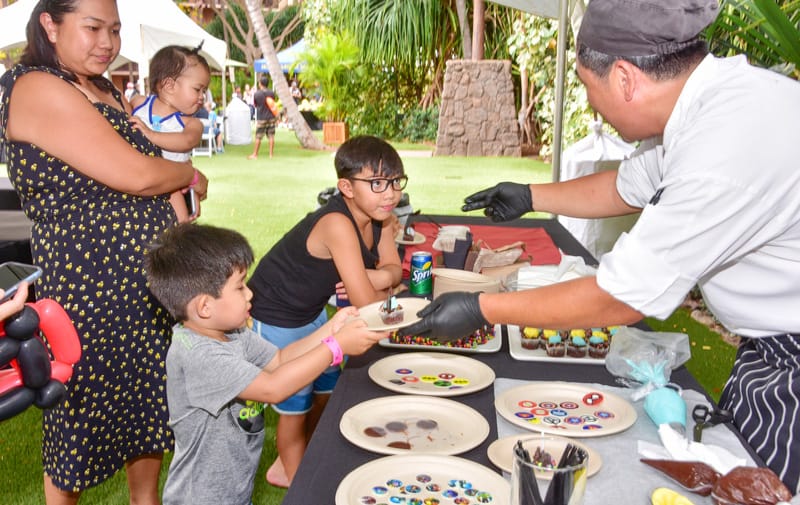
[{"x": 262, "y": 199}]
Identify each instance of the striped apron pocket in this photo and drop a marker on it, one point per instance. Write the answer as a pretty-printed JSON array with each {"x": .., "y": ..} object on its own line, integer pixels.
[{"x": 763, "y": 392}]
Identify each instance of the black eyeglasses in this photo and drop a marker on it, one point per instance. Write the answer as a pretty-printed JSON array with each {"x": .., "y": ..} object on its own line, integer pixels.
[{"x": 381, "y": 184}]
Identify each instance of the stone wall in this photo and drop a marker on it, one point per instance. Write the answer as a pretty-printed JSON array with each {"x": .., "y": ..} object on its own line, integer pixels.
[{"x": 477, "y": 116}]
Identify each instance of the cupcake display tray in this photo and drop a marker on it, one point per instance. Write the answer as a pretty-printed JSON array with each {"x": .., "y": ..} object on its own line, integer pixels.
[{"x": 520, "y": 353}]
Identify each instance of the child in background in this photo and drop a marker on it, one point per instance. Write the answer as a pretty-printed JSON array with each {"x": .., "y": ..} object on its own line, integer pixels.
[
  {"x": 346, "y": 246},
  {"x": 267, "y": 114},
  {"x": 179, "y": 78},
  {"x": 220, "y": 373},
  {"x": 213, "y": 128}
]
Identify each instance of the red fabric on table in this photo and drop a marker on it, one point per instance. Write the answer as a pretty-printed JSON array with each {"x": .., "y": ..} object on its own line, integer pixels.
[{"x": 538, "y": 243}]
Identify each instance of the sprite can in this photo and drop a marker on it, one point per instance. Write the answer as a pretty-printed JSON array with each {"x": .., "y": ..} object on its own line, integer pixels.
[{"x": 421, "y": 273}]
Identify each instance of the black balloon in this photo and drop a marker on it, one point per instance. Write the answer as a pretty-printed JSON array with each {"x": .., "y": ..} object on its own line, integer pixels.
[
  {"x": 50, "y": 395},
  {"x": 34, "y": 377},
  {"x": 8, "y": 349},
  {"x": 34, "y": 363},
  {"x": 15, "y": 401},
  {"x": 21, "y": 325}
]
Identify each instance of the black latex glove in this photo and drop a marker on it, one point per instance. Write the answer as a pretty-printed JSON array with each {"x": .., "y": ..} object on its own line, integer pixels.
[
  {"x": 449, "y": 317},
  {"x": 504, "y": 202}
]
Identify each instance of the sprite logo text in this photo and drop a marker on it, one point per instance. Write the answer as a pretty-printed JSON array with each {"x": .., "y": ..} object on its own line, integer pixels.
[{"x": 424, "y": 273}]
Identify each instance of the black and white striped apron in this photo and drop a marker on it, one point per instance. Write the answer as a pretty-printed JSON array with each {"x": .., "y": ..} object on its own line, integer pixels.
[{"x": 763, "y": 393}]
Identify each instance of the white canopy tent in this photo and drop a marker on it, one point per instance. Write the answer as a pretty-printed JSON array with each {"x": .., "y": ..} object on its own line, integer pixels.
[{"x": 147, "y": 26}]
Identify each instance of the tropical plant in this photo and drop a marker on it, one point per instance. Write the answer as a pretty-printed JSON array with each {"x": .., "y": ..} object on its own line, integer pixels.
[
  {"x": 767, "y": 31},
  {"x": 414, "y": 40},
  {"x": 420, "y": 125},
  {"x": 411, "y": 39},
  {"x": 331, "y": 67},
  {"x": 404, "y": 48},
  {"x": 301, "y": 129},
  {"x": 533, "y": 45}
]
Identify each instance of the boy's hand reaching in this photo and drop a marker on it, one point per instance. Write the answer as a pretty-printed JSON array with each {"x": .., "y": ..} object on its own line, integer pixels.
[
  {"x": 340, "y": 318},
  {"x": 355, "y": 338}
]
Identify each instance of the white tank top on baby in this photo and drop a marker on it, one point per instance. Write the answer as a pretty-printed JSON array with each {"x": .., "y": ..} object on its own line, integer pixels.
[{"x": 170, "y": 123}]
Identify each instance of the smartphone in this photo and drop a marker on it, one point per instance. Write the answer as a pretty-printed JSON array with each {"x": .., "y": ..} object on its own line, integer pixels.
[
  {"x": 12, "y": 273},
  {"x": 191, "y": 202}
]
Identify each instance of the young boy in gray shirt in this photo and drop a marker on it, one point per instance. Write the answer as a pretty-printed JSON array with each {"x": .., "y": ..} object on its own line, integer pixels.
[{"x": 220, "y": 374}]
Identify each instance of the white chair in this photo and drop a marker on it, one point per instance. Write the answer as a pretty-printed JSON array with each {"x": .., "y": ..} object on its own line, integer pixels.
[{"x": 206, "y": 147}]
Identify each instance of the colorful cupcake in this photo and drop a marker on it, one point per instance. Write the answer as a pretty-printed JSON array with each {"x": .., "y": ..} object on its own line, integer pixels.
[
  {"x": 391, "y": 314},
  {"x": 576, "y": 344},
  {"x": 531, "y": 338},
  {"x": 598, "y": 344},
  {"x": 554, "y": 344}
]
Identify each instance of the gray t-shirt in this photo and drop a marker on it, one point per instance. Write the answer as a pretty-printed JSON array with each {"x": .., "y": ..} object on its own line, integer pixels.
[{"x": 218, "y": 438}]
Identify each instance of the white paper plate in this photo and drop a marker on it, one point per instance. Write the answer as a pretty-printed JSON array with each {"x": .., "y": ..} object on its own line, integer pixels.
[
  {"x": 500, "y": 451},
  {"x": 408, "y": 476},
  {"x": 403, "y": 424},
  {"x": 419, "y": 238},
  {"x": 411, "y": 306},
  {"x": 565, "y": 409},
  {"x": 431, "y": 374},
  {"x": 492, "y": 345},
  {"x": 520, "y": 353}
]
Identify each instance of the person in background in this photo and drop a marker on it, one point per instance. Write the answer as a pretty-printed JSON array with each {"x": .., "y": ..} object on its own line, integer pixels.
[
  {"x": 212, "y": 117},
  {"x": 266, "y": 117},
  {"x": 179, "y": 79},
  {"x": 716, "y": 180},
  {"x": 346, "y": 247},
  {"x": 130, "y": 90},
  {"x": 97, "y": 192},
  {"x": 220, "y": 373},
  {"x": 297, "y": 94},
  {"x": 249, "y": 99}
]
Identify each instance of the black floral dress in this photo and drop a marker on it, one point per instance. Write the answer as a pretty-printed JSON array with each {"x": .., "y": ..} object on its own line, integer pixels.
[{"x": 90, "y": 241}]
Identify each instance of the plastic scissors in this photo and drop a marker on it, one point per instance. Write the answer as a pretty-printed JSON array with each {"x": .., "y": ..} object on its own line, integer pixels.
[{"x": 704, "y": 417}]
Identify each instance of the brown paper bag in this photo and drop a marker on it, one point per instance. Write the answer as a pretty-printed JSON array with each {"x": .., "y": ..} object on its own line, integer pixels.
[{"x": 480, "y": 257}]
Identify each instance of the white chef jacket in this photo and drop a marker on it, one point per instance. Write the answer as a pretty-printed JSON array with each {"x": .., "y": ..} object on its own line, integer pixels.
[{"x": 721, "y": 204}]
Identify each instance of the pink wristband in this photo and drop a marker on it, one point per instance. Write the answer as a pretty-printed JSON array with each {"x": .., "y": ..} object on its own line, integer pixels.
[
  {"x": 195, "y": 179},
  {"x": 333, "y": 345}
]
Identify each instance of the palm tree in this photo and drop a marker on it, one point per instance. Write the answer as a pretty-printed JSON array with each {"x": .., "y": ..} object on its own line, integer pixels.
[
  {"x": 415, "y": 39},
  {"x": 411, "y": 39},
  {"x": 767, "y": 31},
  {"x": 463, "y": 24},
  {"x": 301, "y": 129}
]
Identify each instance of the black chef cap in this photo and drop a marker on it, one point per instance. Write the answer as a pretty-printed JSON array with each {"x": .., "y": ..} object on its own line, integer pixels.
[{"x": 644, "y": 27}]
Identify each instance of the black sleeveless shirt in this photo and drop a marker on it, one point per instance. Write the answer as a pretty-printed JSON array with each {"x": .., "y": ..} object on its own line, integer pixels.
[{"x": 290, "y": 286}]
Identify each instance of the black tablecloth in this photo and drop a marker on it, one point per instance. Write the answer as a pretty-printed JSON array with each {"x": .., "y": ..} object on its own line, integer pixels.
[{"x": 330, "y": 457}]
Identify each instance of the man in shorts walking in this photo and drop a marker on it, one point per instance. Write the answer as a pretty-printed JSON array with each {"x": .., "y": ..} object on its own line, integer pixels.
[{"x": 266, "y": 117}]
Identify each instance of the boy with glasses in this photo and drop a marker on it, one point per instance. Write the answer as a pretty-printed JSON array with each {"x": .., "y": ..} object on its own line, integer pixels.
[{"x": 346, "y": 248}]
